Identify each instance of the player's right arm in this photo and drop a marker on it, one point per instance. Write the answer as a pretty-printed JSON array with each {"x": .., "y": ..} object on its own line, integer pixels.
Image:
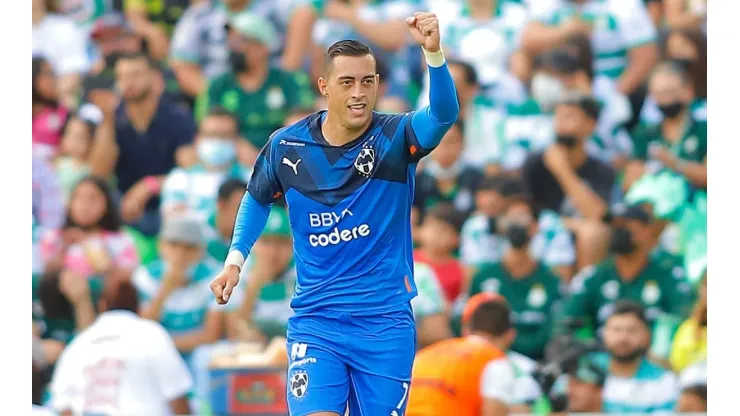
[{"x": 264, "y": 188}]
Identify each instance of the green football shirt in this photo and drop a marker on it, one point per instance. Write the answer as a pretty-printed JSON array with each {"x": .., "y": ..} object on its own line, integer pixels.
[
  {"x": 532, "y": 299},
  {"x": 259, "y": 112}
]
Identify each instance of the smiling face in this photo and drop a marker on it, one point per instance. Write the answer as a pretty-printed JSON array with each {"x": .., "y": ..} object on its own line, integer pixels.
[{"x": 351, "y": 87}]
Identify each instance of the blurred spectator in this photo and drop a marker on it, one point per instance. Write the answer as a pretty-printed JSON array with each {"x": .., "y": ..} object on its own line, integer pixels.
[
  {"x": 194, "y": 189},
  {"x": 621, "y": 31},
  {"x": 439, "y": 239},
  {"x": 478, "y": 118},
  {"x": 154, "y": 21},
  {"x": 573, "y": 66},
  {"x": 260, "y": 310},
  {"x": 566, "y": 179},
  {"x": 121, "y": 349},
  {"x": 474, "y": 366},
  {"x": 690, "y": 341},
  {"x": 66, "y": 305},
  {"x": 632, "y": 273},
  {"x": 634, "y": 384},
  {"x": 200, "y": 50},
  {"x": 72, "y": 165},
  {"x": 585, "y": 387},
  {"x": 529, "y": 287},
  {"x": 48, "y": 114},
  {"x": 85, "y": 12},
  {"x": 679, "y": 142},
  {"x": 46, "y": 197},
  {"x": 175, "y": 288},
  {"x": 486, "y": 33},
  {"x": 38, "y": 380},
  {"x": 430, "y": 307},
  {"x": 445, "y": 177},
  {"x": 220, "y": 225},
  {"x": 484, "y": 241},
  {"x": 141, "y": 142},
  {"x": 688, "y": 50},
  {"x": 686, "y": 14},
  {"x": 57, "y": 39},
  {"x": 91, "y": 242},
  {"x": 259, "y": 94},
  {"x": 693, "y": 381},
  {"x": 379, "y": 24}
]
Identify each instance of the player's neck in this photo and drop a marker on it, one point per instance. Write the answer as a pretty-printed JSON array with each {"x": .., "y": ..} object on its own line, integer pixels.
[
  {"x": 337, "y": 135},
  {"x": 577, "y": 156}
]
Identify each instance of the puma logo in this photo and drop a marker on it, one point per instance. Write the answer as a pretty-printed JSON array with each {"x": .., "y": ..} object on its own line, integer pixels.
[{"x": 287, "y": 161}]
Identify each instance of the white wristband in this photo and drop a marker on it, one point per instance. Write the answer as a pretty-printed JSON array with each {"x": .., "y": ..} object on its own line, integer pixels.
[
  {"x": 235, "y": 258},
  {"x": 434, "y": 59}
]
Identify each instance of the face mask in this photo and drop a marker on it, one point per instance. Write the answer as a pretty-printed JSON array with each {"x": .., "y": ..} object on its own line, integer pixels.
[
  {"x": 621, "y": 241},
  {"x": 567, "y": 140},
  {"x": 440, "y": 173},
  {"x": 672, "y": 110},
  {"x": 547, "y": 90},
  {"x": 686, "y": 64},
  {"x": 238, "y": 62},
  {"x": 216, "y": 152},
  {"x": 518, "y": 235}
]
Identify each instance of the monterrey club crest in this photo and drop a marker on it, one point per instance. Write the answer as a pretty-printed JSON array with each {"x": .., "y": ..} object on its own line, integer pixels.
[
  {"x": 365, "y": 161},
  {"x": 299, "y": 384}
]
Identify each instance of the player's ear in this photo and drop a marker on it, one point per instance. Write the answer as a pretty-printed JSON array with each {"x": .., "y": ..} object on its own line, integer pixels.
[{"x": 322, "y": 86}]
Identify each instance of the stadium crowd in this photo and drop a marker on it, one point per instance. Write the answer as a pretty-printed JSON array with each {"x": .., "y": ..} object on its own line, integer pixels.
[{"x": 572, "y": 191}]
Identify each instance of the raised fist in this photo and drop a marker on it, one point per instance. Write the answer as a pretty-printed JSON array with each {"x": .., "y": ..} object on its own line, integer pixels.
[{"x": 424, "y": 27}]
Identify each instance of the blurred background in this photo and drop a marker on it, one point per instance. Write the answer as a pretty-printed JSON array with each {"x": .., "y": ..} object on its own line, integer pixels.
[{"x": 575, "y": 179}]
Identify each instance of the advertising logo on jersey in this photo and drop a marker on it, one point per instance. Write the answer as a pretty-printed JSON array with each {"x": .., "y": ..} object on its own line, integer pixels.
[
  {"x": 336, "y": 235},
  {"x": 365, "y": 161}
]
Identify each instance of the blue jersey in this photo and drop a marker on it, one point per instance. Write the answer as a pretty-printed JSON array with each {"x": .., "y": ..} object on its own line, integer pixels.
[{"x": 349, "y": 210}]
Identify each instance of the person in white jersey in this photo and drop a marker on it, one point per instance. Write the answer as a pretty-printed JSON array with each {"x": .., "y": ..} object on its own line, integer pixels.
[{"x": 121, "y": 365}]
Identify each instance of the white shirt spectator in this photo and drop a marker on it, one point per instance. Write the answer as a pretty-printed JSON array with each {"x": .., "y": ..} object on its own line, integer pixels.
[
  {"x": 121, "y": 365},
  {"x": 510, "y": 381},
  {"x": 57, "y": 39}
]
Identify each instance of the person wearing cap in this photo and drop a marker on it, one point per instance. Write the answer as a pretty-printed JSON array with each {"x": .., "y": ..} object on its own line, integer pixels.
[
  {"x": 633, "y": 271},
  {"x": 446, "y": 177},
  {"x": 260, "y": 94},
  {"x": 174, "y": 289},
  {"x": 572, "y": 65},
  {"x": 483, "y": 242},
  {"x": 567, "y": 180},
  {"x": 678, "y": 143},
  {"x": 194, "y": 189},
  {"x": 528, "y": 285},
  {"x": 585, "y": 386},
  {"x": 122, "y": 364},
  {"x": 261, "y": 308}
]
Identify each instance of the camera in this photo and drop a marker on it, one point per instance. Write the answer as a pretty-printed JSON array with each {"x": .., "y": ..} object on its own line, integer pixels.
[{"x": 561, "y": 357}]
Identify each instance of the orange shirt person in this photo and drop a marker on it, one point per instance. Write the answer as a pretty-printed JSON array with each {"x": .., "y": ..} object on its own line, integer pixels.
[{"x": 451, "y": 376}]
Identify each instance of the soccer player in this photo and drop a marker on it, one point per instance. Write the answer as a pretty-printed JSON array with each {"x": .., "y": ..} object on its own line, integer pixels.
[{"x": 347, "y": 175}]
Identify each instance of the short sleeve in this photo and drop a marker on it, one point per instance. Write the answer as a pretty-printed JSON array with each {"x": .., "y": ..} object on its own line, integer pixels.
[
  {"x": 473, "y": 250},
  {"x": 634, "y": 23},
  {"x": 186, "y": 44},
  {"x": 145, "y": 284},
  {"x": 264, "y": 185},
  {"x": 498, "y": 381},
  {"x": 174, "y": 190},
  {"x": 170, "y": 369}
]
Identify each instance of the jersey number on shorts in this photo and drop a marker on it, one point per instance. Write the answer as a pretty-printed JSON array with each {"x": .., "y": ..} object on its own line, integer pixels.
[
  {"x": 399, "y": 406},
  {"x": 299, "y": 351}
]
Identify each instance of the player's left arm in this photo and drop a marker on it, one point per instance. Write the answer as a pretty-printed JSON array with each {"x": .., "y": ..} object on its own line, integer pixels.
[{"x": 431, "y": 122}]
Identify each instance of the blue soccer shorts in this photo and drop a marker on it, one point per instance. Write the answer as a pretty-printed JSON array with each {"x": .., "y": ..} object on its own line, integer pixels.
[{"x": 339, "y": 360}]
